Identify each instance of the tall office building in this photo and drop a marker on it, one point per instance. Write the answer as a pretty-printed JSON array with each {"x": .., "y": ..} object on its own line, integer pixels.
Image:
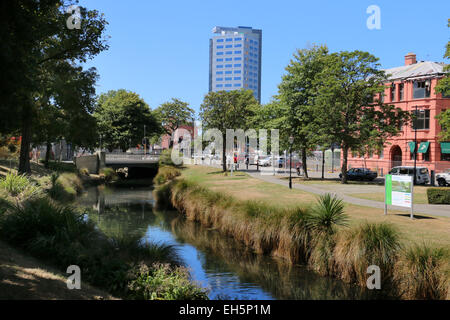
[{"x": 235, "y": 59}]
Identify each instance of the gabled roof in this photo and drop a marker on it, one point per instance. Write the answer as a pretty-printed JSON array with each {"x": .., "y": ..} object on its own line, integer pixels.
[{"x": 416, "y": 70}]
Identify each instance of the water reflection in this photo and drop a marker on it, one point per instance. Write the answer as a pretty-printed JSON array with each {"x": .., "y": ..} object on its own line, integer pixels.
[{"x": 219, "y": 263}]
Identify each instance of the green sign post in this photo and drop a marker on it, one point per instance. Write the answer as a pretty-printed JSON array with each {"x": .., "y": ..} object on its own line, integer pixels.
[{"x": 399, "y": 191}]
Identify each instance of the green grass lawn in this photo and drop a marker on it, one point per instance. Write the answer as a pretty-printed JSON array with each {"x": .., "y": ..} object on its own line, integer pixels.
[
  {"x": 428, "y": 229},
  {"x": 420, "y": 196}
]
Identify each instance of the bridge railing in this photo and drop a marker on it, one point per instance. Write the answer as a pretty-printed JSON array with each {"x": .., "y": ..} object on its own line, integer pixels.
[{"x": 124, "y": 156}]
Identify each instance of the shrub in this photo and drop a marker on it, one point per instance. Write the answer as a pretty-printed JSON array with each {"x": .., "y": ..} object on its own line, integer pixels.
[
  {"x": 438, "y": 195},
  {"x": 323, "y": 220},
  {"x": 166, "y": 158},
  {"x": 424, "y": 273},
  {"x": 84, "y": 172},
  {"x": 19, "y": 186},
  {"x": 165, "y": 174},
  {"x": 366, "y": 245},
  {"x": 65, "y": 187},
  {"x": 162, "y": 282},
  {"x": 109, "y": 174}
]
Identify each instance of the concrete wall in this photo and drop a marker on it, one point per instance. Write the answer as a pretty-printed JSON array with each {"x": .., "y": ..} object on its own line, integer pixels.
[{"x": 93, "y": 162}]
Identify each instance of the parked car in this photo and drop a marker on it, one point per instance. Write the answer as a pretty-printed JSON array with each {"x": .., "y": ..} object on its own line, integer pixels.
[
  {"x": 422, "y": 174},
  {"x": 443, "y": 178},
  {"x": 360, "y": 174},
  {"x": 265, "y": 162}
]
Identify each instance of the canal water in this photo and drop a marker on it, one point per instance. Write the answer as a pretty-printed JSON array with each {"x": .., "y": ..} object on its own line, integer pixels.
[{"x": 224, "y": 266}]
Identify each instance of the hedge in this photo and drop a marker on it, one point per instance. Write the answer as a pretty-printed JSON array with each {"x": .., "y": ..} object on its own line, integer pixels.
[{"x": 438, "y": 195}]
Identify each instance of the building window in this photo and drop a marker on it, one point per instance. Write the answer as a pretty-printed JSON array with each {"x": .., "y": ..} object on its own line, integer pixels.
[
  {"x": 237, "y": 39},
  {"x": 237, "y": 78},
  {"x": 393, "y": 92},
  {"x": 219, "y": 47},
  {"x": 400, "y": 91},
  {"x": 228, "y": 85},
  {"x": 228, "y": 79},
  {"x": 219, "y": 60},
  {"x": 238, "y": 45},
  {"x": 228, "y": 65},
  {"x": 228, "y": 59},
  {"x": 426, "y": 156},
  {"x": 238, "y": 52},
  {"x": 219, "y": 79},
  {"x": 381, "y": 154},
  {"x": 237, "y": 84},
  {"x": 220, "y": 53},
  {"x": 219, "y": 66},
  {"x": 229, "y": 39},
  {"x": 219, "y": 85},
  {"x": 237, "y": 65},
  {"x": 238, "y": 59},
  {"x": 219, "y": 40},
  {"x": 228, "y": 72},
  {"x": 421, "y": 89},
  {"x": 229, "y": 46},
  {"x": 229, "y": 52},
  {"x": 219, "y": 72},
  {"x": 237, "y": 71},
  {"x": 422, "y": 120}
]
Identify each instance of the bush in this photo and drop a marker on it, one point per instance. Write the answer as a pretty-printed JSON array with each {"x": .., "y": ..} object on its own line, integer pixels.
[
  {"x": 424, "y": 273},
  {"x": 84, "y": 172},
  {"x": 323, "y": 220},
  {"x": 19, "y": 186},
  {"x": 438, "y": 195},
  {"x": 109, "y": 174},
  {"x": 165, "y": 174},
  {"x": 166, "y": 158},
  {"x": 163, "y": 282},
  {"x": 65, "y": 187},
  {"x": 366, "y": 245}
]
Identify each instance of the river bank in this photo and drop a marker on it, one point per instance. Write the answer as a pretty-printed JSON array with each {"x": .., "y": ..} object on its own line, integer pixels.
[
  {"x": 273, "y": 220},
  {"x": 38, "y": 217}
]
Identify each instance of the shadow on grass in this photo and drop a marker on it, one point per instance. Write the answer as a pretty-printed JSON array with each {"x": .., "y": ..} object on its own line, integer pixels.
[{"x": 418, "y": 217}]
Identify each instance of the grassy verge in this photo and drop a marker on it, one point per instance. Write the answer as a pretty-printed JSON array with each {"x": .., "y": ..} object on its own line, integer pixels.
[
  {"x": 420, "y": 195},
  {"x": 272, "y": 219}
]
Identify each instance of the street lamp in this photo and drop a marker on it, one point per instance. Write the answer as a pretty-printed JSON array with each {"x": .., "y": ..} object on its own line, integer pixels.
[
  {"x": 415, "y": 143},
  {"x": 291, "y": 142}
]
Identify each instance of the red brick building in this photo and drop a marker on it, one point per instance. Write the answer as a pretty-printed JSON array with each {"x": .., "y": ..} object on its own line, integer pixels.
[
  {"x": 166, "y": 140},
  {"x": 409, "y": 86}
]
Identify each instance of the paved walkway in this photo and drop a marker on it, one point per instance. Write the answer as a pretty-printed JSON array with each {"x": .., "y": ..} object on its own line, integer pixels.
[{"x": 342, "y": 190}]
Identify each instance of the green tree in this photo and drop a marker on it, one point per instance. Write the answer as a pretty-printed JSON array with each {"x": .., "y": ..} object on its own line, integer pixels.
[
  {"x": 444, "y": 88},
  {"x": 174, "y": 114},
  {"x": 345, "y": 104},
  {"x": 121, "y": 116},
  {"x": 297, "y": 92},
  {"x": 224, "y": 110},
  {"x": 34, "y": 37}
]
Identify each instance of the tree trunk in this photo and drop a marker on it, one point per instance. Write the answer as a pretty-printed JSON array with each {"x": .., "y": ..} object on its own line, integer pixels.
[
  {"x": 323, "y": 164},
  {"x": 344, "y": 164},
  {"x": 47, "y": 155},
  {"x": 224, "y": 151},
  {"x": 304, "y": 165},
  {"x": 24, "y": 160}
]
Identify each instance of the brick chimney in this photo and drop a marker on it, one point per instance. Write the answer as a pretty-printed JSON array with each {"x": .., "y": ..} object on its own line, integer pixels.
[{"x": 410, "y": 58}]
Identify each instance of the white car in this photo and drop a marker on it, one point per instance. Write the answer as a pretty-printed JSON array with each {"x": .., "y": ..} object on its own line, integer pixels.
[
  {"x": 443, "y": 178},
  {"x": 265, "y": 162},
  {"x": 422, "y": 174}
]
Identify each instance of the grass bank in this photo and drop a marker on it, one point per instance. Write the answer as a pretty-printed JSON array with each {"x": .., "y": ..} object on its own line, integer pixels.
[
  {"x": 34, "y": 219},
  {"x": 333, "y": 238}
]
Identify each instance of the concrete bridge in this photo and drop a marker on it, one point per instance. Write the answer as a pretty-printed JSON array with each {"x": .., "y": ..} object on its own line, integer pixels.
[{"x": 138, "y": 164}]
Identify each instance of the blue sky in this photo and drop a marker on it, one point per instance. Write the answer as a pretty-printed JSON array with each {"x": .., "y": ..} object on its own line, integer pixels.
[{"x": 159, "y": 49}]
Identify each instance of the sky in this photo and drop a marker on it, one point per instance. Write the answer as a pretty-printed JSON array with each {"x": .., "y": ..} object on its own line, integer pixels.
[{"x": 160, "y": 49}]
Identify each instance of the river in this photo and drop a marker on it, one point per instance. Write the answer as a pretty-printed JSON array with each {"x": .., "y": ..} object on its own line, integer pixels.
[{"x": 224, "y": 266}]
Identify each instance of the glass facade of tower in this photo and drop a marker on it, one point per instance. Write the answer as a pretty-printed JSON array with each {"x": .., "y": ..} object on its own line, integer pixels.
[{"x": 235, "y": 59}]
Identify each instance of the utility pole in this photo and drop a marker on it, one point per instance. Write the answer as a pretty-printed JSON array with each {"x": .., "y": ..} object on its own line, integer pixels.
[{"x": 145, "y": 141}]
